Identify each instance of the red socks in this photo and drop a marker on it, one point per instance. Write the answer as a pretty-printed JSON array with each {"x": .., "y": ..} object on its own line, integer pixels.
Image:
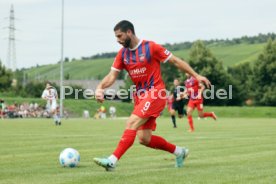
[
  {"x": 128, "y": 138},
  {"x": 207, "y": 114},
  {"x": 190, "y": 120},
  {"x": 125, "y": 142},
  {"x": 157, "y": 142}
]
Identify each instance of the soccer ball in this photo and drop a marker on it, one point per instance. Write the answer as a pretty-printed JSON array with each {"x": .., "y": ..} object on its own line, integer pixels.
[{"x": 69, "y": 157}]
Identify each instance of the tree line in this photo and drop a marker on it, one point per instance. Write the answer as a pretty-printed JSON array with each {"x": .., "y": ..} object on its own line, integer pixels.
[{"x": 252, "y": 82}]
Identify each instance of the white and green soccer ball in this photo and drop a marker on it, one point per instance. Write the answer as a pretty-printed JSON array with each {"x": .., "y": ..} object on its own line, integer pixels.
[{"x": 69, "y": 157}]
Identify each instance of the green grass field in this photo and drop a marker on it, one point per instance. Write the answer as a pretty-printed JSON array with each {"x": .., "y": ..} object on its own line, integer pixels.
[{"x": 230, "y": 150}]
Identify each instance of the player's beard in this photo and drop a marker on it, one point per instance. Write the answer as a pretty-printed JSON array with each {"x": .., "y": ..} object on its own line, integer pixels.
[{"x": 126, "y": 43}]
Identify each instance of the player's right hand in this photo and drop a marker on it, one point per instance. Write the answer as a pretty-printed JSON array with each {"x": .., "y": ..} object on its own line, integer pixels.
[
  {"x": 204, "y": 80},
  {"x": 99, "y": 95},
  {"x": 184, "y": 94}
]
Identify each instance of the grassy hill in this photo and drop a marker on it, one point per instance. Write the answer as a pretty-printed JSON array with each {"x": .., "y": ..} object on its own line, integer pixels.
[
  {"x": 91, "y": 69},
  {"x": 231, "y": 54},
  {"x": 96, "y": 69}
]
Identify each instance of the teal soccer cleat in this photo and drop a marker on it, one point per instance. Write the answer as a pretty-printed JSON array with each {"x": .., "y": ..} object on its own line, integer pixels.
[
  {"x": 180, "y": 159},
  {"x": 105, "y": 163}
]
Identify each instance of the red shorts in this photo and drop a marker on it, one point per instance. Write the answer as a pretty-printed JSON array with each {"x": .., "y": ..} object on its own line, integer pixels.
[
  {"x": 149, "y": 105},
  {"x": 198, "y": 103}
]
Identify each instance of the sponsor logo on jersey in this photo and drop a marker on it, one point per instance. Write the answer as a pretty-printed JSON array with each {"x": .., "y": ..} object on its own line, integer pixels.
[{"x": 138, "y": 71}]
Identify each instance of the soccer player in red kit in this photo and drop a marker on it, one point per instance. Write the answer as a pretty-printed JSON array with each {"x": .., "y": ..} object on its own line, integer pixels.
[
  {"x": 194, "y": 90},
  {"x": 142, "y": 59}
]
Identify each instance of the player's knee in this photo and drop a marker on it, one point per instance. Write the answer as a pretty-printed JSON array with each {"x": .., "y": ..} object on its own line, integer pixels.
[
  {"x": 144, "y": 140},
  {"x": 132, "y": 124},
  {"x": 201, "y": 115}
]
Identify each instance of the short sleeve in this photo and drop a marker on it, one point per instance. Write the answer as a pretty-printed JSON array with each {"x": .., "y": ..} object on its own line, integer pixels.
[
  {"x": 161, "y": 53},
  {"x": 44, "y": 94},
  {"x": 118, "y": 63}
]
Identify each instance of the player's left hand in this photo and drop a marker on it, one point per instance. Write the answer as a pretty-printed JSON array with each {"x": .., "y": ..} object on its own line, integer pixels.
[
  {"x": 204, "y": 80},
  {"x": 99, "y": 95},
  {"x": 198, "y": 97}
]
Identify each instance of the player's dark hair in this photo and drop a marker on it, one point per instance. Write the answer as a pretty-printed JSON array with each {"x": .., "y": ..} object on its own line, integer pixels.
[
  {"x": 124, "y": 26},
  {"x": 48, "y": 82}
]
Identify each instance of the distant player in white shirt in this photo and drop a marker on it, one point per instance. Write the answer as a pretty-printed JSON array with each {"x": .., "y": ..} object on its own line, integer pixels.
[
  {"x": 112, "y": 111},
  {"x": 50, "y": 94}
]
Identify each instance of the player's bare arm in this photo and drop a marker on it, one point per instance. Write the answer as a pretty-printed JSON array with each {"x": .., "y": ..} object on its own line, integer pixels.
[
  {"x": 185, "y": 67},
  {"x": 107, "y": 81}
]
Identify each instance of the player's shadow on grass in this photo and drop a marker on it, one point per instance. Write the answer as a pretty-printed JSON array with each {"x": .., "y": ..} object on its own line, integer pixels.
[
  {"x": 171, "y": 160},
  {"x": 81, "y": 166}
]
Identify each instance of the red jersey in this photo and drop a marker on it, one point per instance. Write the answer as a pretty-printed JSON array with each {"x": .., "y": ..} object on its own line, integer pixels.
[
  {"x": 143, "y": 64},
  {"x": 192, "y": 86}
]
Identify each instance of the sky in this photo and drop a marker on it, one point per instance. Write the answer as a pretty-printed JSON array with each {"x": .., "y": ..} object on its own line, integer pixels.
[{"x": 88, "y": 24}]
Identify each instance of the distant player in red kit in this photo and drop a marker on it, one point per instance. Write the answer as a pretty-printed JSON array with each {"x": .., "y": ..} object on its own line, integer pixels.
[
  {"x": 194, "y": 90},
  {"x": 142, "y": 59},
  {"x": 170, "y": 102}
]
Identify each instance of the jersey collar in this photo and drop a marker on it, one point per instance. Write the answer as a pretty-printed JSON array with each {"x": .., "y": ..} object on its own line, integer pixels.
[{"x": 139, "y": 43}]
